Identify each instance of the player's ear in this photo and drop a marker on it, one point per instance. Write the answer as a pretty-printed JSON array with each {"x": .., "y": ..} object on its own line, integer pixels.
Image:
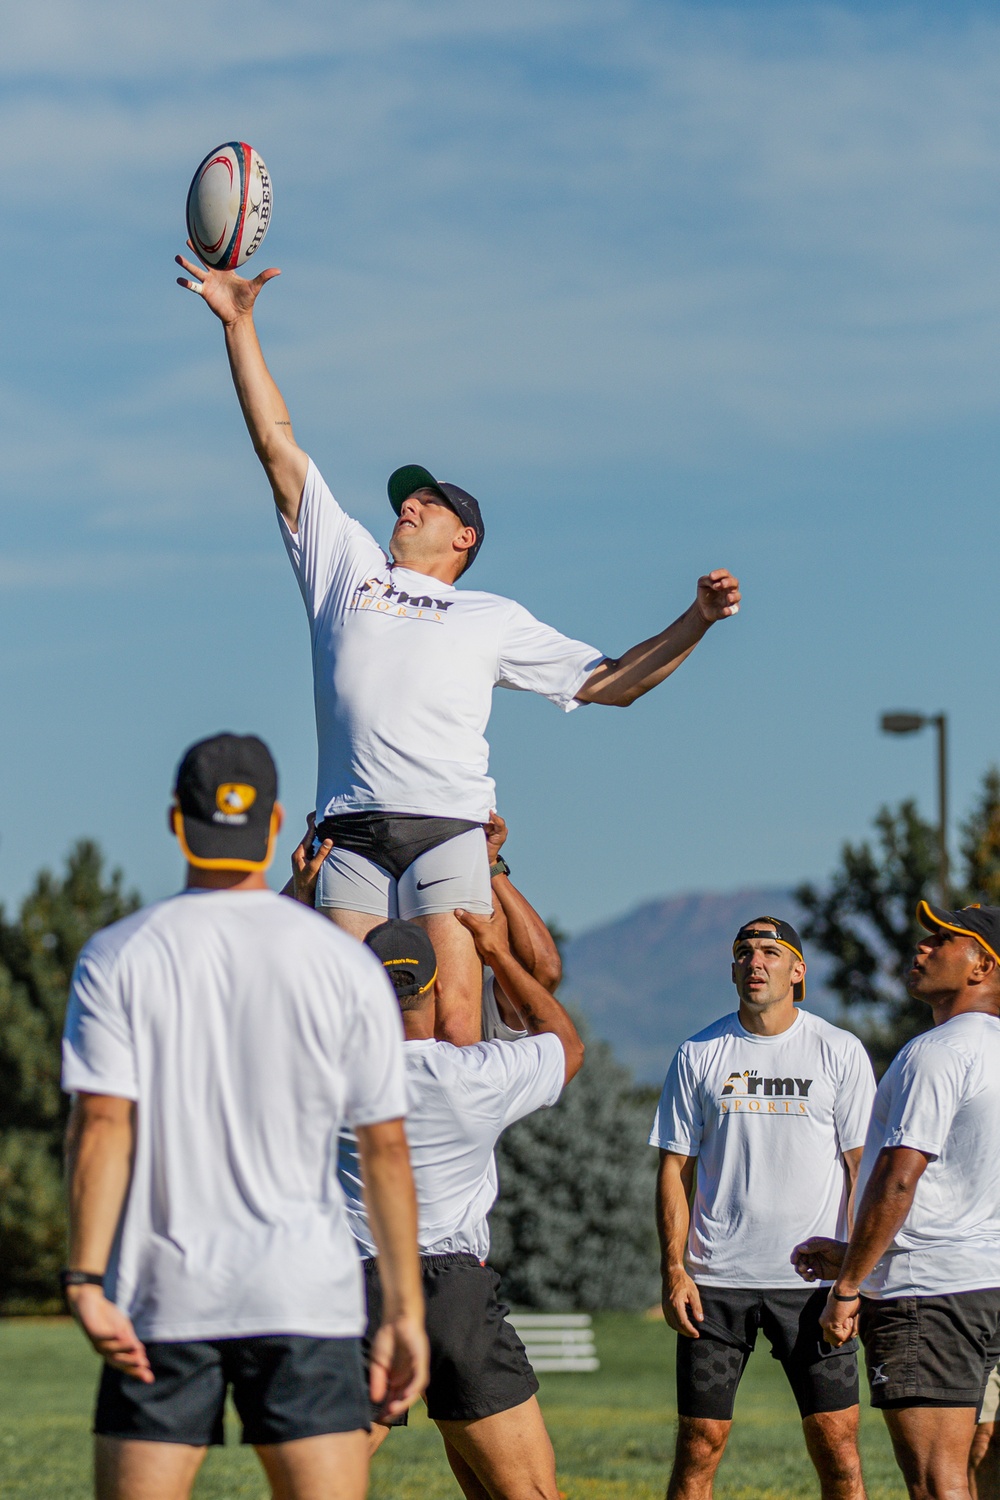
[
  {"x": 732, "y": 972},
  {"x": 278, "y": 816},
  {"x": 171, "y": 821}
]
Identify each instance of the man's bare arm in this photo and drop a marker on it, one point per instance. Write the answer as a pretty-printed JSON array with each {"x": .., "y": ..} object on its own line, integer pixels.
[
  {"x": 400, "y": 1356},
  {"x": 885, "y": 1203},
  {"x": 530, "y": 940},
  {"x": 540, "y": 1011},
  {"x": 100, "y": 1139},
  {"x": 852, "y": 1163},
  {"x": 619, "y": 683},
  {"x": 681, "y": 1301},
  {"x": 232, "y": 298}
]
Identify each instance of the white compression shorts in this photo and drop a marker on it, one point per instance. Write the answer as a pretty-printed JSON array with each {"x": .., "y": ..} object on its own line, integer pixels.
[{"x": 454, "y": 873}]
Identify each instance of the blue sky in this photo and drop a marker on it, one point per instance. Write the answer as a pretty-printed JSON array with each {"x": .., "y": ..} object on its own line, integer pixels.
[{"x": 667, "y": 286}]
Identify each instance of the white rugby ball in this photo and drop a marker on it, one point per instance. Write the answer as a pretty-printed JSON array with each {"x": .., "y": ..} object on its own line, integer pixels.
[{"x": 229, "y": 205}]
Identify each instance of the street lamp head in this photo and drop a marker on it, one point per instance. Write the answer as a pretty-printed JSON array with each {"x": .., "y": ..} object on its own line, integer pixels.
[{"x": 903, "y": 723}]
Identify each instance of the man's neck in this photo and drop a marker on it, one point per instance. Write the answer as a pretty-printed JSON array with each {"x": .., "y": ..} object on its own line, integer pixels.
[
  {"x": 418, "y": 1025},
  {"x": 965, "y": 1003},
  {"x": 442, "y": 571},
  {"x": 225, "y": 880},
  {"x": 770, "y": 1020}
]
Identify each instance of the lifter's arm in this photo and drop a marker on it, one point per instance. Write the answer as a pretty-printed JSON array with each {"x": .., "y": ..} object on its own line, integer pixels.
[
  {"x": 681, "y": 1300},
  {"x": 231, "y": 298},
  {"x": 619, "y": 683},
  {"x": 399, "y": 1354},
  {"x": 530, "y": 940},
  {"x": 540, "y": 1011},
  {"x": 100, "y": 1138}
]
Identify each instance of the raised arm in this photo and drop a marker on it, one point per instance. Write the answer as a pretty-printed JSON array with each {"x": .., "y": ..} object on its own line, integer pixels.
[
  {"x": 232, "y": 298},
  {"x": 681, "y": 1300},
  {"x": 399, "y": 1355},
  {"x": 100, "y": 1138},
  {"x": 540, "y": 1011},
  {"x": 619, "y": 683},
  {"x": 530, "y": 940}
]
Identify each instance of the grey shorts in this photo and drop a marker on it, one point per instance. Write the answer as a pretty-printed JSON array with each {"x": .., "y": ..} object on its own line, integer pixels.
[
  {"x": 991, "y": 1398},
  {"x": 455, "y": 873},
  {"x": 931, "y": 1351}
]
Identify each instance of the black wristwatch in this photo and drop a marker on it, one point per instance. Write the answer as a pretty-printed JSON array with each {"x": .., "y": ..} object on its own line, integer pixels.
[
  {"x": 500, "y": 867},
  {"x": 79, "y": 1278}
]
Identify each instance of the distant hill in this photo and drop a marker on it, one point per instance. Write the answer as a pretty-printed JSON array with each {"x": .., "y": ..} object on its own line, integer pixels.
[{"x": 647, "y": 980}]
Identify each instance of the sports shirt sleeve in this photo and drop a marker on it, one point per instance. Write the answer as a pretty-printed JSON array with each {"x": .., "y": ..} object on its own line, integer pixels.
[
  {"x": 931, "y": 1084},
  {"x": 326, "y": 535},
  {"x": 678, "y": 1123},
  {"x": 527, "y": 1074},
  {"x": 852, "y": 1107},
  {"x": 373, "y": 1060},
  {"x": 534, "y": 658},
  {"x": 98, "y": 1054}
]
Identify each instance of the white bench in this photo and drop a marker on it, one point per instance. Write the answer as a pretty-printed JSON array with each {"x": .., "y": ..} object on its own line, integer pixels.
[{"x": 557, "y": 1341}]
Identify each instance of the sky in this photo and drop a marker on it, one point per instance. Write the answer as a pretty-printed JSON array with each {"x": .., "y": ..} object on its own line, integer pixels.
[{"x": 667, "y": 286}]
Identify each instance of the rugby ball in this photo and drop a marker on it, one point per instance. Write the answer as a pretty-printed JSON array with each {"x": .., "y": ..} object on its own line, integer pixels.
[{"x": 229, "y": 205}]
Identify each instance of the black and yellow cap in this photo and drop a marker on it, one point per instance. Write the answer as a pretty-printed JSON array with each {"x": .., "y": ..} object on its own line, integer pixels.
[
  {"x": 979, "y": 922},
  {"x": 407, "y": 954},
  {"x": 411, "y": 477},
  {"x": 783, "y": 933},
  {"x": 224, "y": 796}
]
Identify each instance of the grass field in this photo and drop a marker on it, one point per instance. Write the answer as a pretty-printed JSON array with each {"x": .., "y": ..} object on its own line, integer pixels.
[{"x": 613, "y": 1431}]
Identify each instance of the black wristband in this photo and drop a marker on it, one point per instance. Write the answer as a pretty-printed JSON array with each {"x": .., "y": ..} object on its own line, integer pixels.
[
  {"x": 500, "y": 867},
  {"x": 80, "y": 1278},
  {"x": 837, "y": 1297}
]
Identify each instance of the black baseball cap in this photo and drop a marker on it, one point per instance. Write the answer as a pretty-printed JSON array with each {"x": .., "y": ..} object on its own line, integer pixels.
[
  {"x": 411, "y": 477},
  {"x": 785, "y": 934},
  {"x": 407, "y": 953},
  {"x": 225, "y": 792},
  {"x": 979, "y": 922}
]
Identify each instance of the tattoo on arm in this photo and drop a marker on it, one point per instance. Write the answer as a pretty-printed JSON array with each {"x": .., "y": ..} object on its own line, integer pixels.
[{"x": 282, "y": 424}]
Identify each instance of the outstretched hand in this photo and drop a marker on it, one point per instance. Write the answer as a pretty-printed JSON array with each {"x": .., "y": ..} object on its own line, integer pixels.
[
  {"x": 718, "y": 595},
  {"x": 496, "y": 835},
  {"x": 489, "y": 933},
  {"x": 230, "y": 297},
  {"x": 306, "y": 866}
]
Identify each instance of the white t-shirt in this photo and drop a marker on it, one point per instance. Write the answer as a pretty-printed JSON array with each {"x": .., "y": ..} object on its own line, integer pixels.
[
  {"x": 769, "y": 1119},
  {"x": 460, "y": 1100},
  {"x": 941, "y": 1095},
  {"x": 404, "y": 668},
  {"x": 247, "y": 1028},
  {"x": 495, "y": 1028}
]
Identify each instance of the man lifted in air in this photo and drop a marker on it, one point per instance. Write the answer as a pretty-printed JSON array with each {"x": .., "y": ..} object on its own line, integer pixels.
[{"x": 404, "y": 669}]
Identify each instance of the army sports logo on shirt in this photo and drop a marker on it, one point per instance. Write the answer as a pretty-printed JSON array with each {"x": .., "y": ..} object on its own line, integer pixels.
[
  {"x": 386, "y": 599},
  {"x": 749, "y": 1093}
]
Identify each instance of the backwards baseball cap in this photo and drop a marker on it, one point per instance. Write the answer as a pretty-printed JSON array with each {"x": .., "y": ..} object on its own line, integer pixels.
[
  {"x": 783, "y": 933},
  {"x": 224, "y": 798},
  {"x": 408, "y": 955},
  {"x": 979, "y": 922},
  {"x": 403, "y": 482}
]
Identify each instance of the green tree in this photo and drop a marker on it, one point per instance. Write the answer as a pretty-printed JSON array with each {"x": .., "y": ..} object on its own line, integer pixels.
[
  {"x": 865, "y": 918},
  {"x": 37, "y": 954},
  {"x": 573, "y": 1227}
]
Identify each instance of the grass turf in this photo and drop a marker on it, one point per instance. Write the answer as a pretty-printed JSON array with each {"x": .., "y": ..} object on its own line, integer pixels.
[{"x": 613, "y": 1431}]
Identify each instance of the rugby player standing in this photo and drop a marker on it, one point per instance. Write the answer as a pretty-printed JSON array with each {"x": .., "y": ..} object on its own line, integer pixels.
[
  {"x": 920, "y": 1277},
  {"x": 767, "y": 1111},
  {"x": 214, "y": 1043},
  {"x": 481, "y": 1391},
  {"x": 404, "y": 667}
]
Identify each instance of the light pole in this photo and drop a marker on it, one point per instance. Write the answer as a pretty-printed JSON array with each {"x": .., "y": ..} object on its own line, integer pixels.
[{"x": 908, "y": 723}]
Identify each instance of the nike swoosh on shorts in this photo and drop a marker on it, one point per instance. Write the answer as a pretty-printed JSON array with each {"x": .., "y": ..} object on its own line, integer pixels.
[{"x": 423, "y": 884}]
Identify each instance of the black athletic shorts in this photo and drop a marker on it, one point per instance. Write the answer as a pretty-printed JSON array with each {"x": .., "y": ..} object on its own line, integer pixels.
[
  {"x": 284, "y": 1387},
  {"x": 478, "y": 1363},
  {"x": 931, "y": 1351},
  {"x": 391, "y": 840},
  {"x": 709, "y": 1368}
]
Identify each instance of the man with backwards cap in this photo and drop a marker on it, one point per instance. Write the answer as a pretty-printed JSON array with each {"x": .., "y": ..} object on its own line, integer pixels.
[
  {"x": 404, "y": 668},
  {"x": 481, "y": 1391},
  {"x": 920, "y": 1275},
  {"x": 766, "y": 1110},
  {"x": 214, "y": 1043}
]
